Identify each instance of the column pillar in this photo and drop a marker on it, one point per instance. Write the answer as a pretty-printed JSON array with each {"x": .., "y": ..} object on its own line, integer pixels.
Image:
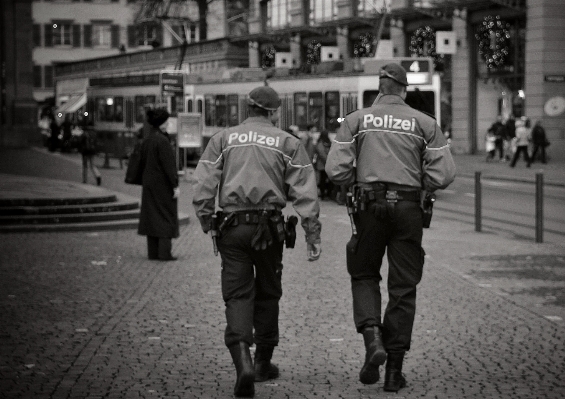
[
  {"x": 463, "y": 89},
  {"x": 296, "y": 51},
  {"x": 254, "y": 55},
  {"x": 398, "y": 38}
]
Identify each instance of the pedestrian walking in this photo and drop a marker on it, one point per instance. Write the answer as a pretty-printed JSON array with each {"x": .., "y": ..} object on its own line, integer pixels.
[
  {"x": 158, "y": 219},
  {"x": 539, "y": 139},
  {"x": 254, "y": 168},
  {"x": 87, "y": 148},
  {"x": 523, "y": 135},
  {"x": 309, "y": 142},
  {"x": 387, "y": 153},
  {"x": 54, "y": 135},
  {"x": 321, "y": 154},
  {"x": 490, "y": 145},
  {"x": 499, "y": 131}
]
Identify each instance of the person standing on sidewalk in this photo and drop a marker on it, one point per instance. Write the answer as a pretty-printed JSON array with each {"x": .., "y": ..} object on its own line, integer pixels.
[
  {"x": 158, "y": 219},
  {"x": 397, "y": 151},
  {"x": 254, "y": 168},
  {"x": 522, "y": 141},
  {"x": 539, "y": 139},
  {"x": 87, "y": 148}
]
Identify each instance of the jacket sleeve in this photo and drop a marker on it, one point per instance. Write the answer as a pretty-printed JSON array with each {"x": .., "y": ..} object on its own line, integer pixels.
[
  {"x": 207, "y": 178},
  {"x": 438, "y": 166},
  {"x": 342, "y": 155},
  {"x": 303, "y": 192}
]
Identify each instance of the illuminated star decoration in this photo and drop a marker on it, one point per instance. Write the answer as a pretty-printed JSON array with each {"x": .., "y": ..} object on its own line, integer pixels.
[
  {"x": 313, "y": 52},
  {"x": 423, "y": 44},
  {"x": 493, "y": 37}
]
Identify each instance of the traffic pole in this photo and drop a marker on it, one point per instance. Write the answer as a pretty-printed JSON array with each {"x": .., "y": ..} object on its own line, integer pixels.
[
  {"x": 478, "y": 205},
  {"x": 539, "y": 207}
]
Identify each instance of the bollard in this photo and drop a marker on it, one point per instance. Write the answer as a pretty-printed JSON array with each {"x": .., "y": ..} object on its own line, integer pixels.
[
  {"x": 478, "y": 196},
  {"x": 539, "y": 207}
]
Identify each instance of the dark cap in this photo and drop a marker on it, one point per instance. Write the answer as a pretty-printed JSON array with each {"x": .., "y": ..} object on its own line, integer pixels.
[
  {"x": 264, "y": 97},
  {"x": 156, "y": 117},
  {"x": 395, "y": 72}
]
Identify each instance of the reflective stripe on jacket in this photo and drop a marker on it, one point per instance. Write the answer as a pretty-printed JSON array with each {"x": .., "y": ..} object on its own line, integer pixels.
[
  {"x": 391, "y": 142},
  {"x": 256, "y": 164}
]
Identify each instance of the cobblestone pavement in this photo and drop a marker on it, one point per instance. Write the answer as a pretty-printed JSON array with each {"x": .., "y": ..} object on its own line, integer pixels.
[{"x": 86, "y": 315}]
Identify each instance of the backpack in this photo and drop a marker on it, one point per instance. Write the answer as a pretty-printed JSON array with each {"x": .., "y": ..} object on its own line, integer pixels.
[{"x": 89, "y": 142}]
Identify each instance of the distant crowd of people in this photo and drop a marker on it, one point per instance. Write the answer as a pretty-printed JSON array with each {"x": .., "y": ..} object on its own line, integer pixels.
[
  {"x": 515, "y": 137},
  {"x": 317, "y": 146}
]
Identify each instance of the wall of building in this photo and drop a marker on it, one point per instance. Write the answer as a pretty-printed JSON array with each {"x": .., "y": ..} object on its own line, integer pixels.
[
  {"x": 545, "y": 57},
  {"x": 18, "y": 109}
]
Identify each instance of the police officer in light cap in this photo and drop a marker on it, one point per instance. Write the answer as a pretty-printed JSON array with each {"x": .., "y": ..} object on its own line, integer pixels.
[
  {"x": 397, "y": 152},
  {"x": 254, "y": 168}
]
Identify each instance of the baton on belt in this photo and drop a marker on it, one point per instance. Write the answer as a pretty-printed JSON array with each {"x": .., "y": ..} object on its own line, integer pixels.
[
  {"x": 350, "y": 211},
  {"x": 214, "y": 233}
]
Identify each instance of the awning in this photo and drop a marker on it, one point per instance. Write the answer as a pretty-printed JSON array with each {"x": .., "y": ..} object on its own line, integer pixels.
[{"x": 72, "y": 105}]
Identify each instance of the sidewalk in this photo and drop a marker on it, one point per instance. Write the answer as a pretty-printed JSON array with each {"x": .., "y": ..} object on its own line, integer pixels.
[{"x": 86, "y": 315}]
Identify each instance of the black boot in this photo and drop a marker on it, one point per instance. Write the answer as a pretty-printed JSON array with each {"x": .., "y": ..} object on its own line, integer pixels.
[
  {"x": 375, "y": 355},
  {"x": 264, "y": 369},
  {"x": 394, "y": 380},
  {"x": 244, "y": 387}
]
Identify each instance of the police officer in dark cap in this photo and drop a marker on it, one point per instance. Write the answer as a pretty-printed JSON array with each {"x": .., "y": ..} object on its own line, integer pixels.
[
  {"x": 388, "y": 154},
  {"x": 253, "y": 169}
]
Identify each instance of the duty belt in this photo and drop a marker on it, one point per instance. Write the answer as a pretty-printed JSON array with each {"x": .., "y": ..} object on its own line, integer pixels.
[{"x": 380, "y": 191}]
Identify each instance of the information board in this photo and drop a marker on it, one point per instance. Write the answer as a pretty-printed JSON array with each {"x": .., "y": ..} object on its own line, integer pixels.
[{"x": 189, "y": 127}]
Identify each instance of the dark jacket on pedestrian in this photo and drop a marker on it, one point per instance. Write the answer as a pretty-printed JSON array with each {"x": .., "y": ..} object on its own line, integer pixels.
[
  {"x": 321, "y": 152},
  {"x": 538, "y": 135},
  {"x": 159, "y": 210}
]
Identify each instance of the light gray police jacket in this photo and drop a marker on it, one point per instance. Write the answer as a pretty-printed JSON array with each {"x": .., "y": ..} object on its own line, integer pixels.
[{"x": 390, "y": 142}]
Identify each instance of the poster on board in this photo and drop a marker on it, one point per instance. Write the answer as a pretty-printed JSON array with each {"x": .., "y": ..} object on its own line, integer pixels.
[{"x": 189, "y": 125}]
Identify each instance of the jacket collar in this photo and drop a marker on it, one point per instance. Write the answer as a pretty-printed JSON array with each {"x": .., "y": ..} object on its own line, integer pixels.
[
  {"x": 260, "y": 120},
  {"x": 389, "y": 99}
]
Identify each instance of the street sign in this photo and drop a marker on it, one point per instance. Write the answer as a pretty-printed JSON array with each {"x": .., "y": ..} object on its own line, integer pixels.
[{"x": 172, "y": 83}]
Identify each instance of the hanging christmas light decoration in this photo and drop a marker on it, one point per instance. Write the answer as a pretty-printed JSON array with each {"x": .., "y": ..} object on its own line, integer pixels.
[
  {"x": 314, "y": 52},
  {"x": 423, "y": 44},
  {"x": 493, "y": 36},
  {"x": 363, "y": 47},
  {"x": 268, "y": 57}
]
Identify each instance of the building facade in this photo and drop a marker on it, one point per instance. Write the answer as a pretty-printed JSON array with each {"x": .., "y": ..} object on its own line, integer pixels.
[
  {"x": 72, "y": 30},
  {"x": 496, "y": 58}
]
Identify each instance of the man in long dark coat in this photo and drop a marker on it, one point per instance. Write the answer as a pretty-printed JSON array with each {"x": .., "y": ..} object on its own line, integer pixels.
[{"x": 159, "y": 214}]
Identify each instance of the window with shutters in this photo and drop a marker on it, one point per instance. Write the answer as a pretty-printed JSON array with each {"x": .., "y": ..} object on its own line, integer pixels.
[
  {"x": 146, "y": 34},
  {"x": 101, "y": 35},
  {"x": 48, "y": 76},
  {"x": 62, "y": 33}
]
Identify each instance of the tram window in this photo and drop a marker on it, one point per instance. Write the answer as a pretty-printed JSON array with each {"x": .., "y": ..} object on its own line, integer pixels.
[
  {"x": 100, "y": 109},
  {"x": 118, "y": 115},
  {"x": 421, "y": 100},
  {"x": 209, "y": 110},
  {"x": 139, "y": 110},
  {"x": 233, "y": 110},
  {"x": 300, "y": 110},
  {"x": 189, "y": 105},
  {"x": 221, "y": 111},
  {"x": 315, "y": 109},
  {"x": 150, "y": 100},
  {"x": 332, "y": 111}
]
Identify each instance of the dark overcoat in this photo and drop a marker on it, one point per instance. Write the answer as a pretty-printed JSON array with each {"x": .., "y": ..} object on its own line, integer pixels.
[{"x": 159, "y": 210}]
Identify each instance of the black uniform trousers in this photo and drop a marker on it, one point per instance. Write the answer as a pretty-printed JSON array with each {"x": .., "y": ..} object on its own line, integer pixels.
[
  {"x": 400, "y": 234},
  {"x": 251, "y": 287}
]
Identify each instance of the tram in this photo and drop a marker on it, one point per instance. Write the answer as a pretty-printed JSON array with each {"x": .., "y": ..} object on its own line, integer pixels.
[{"x": 116, "y": 104}]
